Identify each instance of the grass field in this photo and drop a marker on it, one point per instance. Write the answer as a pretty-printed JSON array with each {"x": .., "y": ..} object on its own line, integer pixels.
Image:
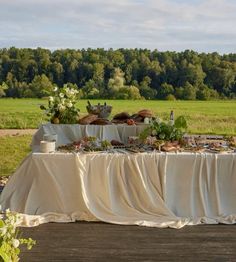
[
  {"x": 12, "y": 151},
  {"x": 211, "y": 117}
]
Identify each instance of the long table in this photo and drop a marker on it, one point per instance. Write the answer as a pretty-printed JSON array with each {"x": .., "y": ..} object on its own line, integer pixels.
[{"x": 150, "y": 189}]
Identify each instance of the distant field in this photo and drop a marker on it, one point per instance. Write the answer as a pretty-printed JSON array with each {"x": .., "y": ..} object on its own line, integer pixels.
[{"x": 211, "y": 117}]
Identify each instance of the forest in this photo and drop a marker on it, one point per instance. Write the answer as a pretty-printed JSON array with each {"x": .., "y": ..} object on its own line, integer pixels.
[{"x": 118, "y": 74}]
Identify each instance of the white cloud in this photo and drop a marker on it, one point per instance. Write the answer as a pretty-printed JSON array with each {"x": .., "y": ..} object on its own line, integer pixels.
[{"x": 163, "y": 24}]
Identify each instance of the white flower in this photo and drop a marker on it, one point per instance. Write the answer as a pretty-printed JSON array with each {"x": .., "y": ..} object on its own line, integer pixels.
[
  {"x": 61, "y": 95},
  {"x": 3, "y": 230},
  {"x": 63, "y": 101},
  {"x": 15, "y": 243},
  {"x": 68, "y": 95},
  {"x": 51, "y": 99},
  {"x": 55, "y": 89},
  {"x": 69, "y": 105},
  {"x": 61, "y": 107}
]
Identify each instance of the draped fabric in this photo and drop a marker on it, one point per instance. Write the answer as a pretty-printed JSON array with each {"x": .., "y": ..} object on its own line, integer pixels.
[
  {"x": 70, "y": 133},
  {"x": 150, "y": 189}
]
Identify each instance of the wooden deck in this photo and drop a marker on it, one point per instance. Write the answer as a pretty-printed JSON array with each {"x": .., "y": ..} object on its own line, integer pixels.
[{"x": 83, "y": 241}]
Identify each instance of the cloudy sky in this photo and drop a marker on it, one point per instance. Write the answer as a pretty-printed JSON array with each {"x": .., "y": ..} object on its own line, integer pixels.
[{"x": 201, "y": 25}]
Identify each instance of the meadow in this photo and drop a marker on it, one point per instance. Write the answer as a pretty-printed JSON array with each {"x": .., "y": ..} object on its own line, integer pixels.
[
  {"x": 209, "y": 117},
  {"x": 204, "y": 117},
  {"x": 12, "y": 151}
]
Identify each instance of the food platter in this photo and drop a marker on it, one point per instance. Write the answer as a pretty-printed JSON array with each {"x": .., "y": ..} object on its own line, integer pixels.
[{"x": 92, "y": 145}]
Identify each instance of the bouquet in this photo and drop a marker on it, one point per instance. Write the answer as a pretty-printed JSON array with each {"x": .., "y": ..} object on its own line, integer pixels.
[{"x": 61, "y": 106}]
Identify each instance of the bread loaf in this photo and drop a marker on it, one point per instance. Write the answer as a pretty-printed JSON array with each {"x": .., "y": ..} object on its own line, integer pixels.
[
  {"x": 145, "y": 113},
  {"x": 101, "y": 121},
  {"x": 117, "y": 121},
  {"x": 137, "y": 118},
  {"x": 121, "y": 116},
  {"x": 86, "y": 120}
]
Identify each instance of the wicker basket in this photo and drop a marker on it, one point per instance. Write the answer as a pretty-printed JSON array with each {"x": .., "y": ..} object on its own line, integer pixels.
[{"x": 102, "y": 111}]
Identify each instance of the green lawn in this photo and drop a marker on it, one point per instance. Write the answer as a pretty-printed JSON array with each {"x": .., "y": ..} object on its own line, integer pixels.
[
  {"x": 212, "y": 117},
  {"x": 12, "y": 151}
]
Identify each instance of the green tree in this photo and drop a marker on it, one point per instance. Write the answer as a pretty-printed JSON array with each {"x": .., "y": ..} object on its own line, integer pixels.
[
  {"x": 3, "y": 88},
  {"x": 165, "y": 90},
  {"x": 90, "y": 90},
  {"x": 57, "y": 73},
  {"x": 189, "y": 92},
  {"x": 41, "y": 86},
  {"x": 206, "y": 93},
  {"x": 209, "y": 74},
  {"x": 116, "y": 83},
  {"x": 145, "y": 90}
]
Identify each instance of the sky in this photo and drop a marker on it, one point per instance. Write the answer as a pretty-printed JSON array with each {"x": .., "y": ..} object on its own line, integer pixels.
[{"x": 174, "y": 25}]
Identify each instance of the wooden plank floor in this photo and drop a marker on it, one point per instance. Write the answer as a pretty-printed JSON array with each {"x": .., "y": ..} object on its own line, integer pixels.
[{"x": 91, "y": 241}]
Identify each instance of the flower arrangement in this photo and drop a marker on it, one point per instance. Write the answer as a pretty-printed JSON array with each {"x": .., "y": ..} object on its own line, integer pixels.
[
  {"x": 9, "y": 238},
  {"x": 166, "y": 131},
  {"x": 61, "y": 106}
]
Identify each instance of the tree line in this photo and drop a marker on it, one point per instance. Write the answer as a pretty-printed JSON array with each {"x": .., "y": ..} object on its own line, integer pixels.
[{"x": 118, "y": 74}]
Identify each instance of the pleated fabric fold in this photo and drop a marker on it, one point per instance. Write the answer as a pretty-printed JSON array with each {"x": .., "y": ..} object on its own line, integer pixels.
[{"x": 149, "y": 189}]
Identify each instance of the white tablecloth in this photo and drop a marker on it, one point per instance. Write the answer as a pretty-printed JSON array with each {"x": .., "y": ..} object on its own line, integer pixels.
[
  {"x": 70, "y": 133},
  {"x": 151, "y": 189}
]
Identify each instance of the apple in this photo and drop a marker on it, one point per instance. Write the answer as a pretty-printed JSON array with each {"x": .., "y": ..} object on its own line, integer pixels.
[{"x": 130, "y": 122}]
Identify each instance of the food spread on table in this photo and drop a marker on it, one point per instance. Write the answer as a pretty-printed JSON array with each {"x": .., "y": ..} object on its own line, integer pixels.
[
  {"x": 158, "y": 135},
  {"x": 194, "y": 144},
  {"x": 98, "y": 115}
]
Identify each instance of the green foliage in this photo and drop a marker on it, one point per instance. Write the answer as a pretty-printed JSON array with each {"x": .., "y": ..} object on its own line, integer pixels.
[
  {"x": 166, "y": 130},
  {"x": 181, "y": 123},
  {"x": 3, "y": 88},
  {"x": 170, "y": 97},
  {"x": 106, "y": 74},
  {"x": 118, "y": 90},
  {"x": 165, "y": 90},
  {"x": 105, "y": 144},
  {"x": 189, "y": 92},
  {"x": 9, "y": 238},
  {"x": 41, "y": 86}
]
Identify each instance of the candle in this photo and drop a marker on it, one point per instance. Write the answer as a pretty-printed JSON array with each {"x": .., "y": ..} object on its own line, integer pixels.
[
  {"x": 146, "y": 120},
  {"x": 47, "y": 146}
]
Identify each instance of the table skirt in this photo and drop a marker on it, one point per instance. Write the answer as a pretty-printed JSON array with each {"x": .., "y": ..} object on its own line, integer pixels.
[{"x": 149, "y": 189}]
